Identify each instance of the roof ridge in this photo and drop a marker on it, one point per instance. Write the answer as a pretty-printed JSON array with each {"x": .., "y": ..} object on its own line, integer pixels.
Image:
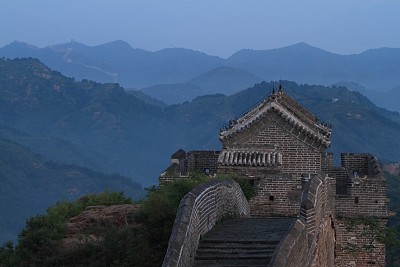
[{"x": 291, "y": 111}]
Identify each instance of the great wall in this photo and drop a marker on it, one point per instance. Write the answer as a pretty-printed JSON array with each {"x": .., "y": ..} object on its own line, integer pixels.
[{"x": 306, "y": 211}]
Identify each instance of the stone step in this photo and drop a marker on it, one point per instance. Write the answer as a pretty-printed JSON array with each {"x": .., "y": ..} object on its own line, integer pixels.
[
  {"x": 248, "y": 261},
  {"x": 234, "y": 251},
  {"x": 237, "y": 245},
  {"x": 224, "y": 256},
  {"x": 241, "y": 242}
]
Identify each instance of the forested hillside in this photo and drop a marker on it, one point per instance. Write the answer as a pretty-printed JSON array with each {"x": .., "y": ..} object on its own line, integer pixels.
[
  {"x": 187, "y": 73},
  {"x": 103, "y": 127},
  {"x": 29, "y": 185},
  {"x": 106, "y": 128}
]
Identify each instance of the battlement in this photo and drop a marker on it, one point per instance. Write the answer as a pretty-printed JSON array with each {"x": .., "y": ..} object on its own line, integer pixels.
[
  {"x": 360, "y": 187},
  {"x": 360, "y": 164},
  {"x": 183, "y": 163},
  {"x": 281, "y": 149}
]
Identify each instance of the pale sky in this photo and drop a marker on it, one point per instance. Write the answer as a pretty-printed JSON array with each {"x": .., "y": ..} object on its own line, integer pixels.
[{"x": 216, "y": 27}]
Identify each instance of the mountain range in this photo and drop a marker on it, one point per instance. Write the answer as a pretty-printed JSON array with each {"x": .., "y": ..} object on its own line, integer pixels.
[
  {"x": 29, "y": 185},
  {"x": 186, "y": 74},
  {"x": 109, "y": 129}
]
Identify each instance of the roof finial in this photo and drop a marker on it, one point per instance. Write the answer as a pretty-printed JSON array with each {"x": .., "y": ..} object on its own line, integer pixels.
[
  {"x": 273, "y": 89},
  {"x": 280, "y": 88}
]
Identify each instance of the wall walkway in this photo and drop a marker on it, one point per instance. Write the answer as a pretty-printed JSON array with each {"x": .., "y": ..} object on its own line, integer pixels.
[{"x": 198, "y": 213}]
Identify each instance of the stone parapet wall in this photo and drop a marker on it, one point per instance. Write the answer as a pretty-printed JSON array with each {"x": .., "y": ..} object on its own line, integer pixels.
[
  {"x": 362, "y": 163},
  {"x": 311, "y": 240},
  {"x": 342, "y": 179},
  {"x": 202, "y": 161},
  {"x": 366, "y": 196},
  {"x": 198, "y": 212},
  {"x": 357, "y": 247},
  {"x": 361, "y": 198}
]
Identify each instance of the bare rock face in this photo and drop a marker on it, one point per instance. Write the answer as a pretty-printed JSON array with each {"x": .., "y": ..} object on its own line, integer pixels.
[{"x": 92, "y": 222}]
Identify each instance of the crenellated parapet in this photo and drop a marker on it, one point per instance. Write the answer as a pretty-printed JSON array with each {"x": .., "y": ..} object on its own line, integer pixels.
[
  {"x": 311, "y": 240},
  {"x": 360, "y": 199},
  {"x": 280, "y": 148},
  {"x": 198, "y": 213}
]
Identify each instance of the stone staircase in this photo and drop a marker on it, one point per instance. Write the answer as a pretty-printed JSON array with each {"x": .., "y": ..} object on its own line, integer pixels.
[{"x": 242, "y": 242}]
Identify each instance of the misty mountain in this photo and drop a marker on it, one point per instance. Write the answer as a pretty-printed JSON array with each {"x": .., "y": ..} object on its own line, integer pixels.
[
  {"x": 104, "y": 127},
  {"x": 358, "y": 125},
  {"x": 174, "y": 93},
  {"x": 146, "y": 98},
  {"x": 29, "y": 185},
  {"x": 68, "y": 120},
  {"x": 299, "y": 62},
  {"x": 225, "y": 80},
  {"x": 375, "y": 69},
  {"x": 118, "y": 62},
  {"x": 222, "y": 80},
  {"x": 388, "y": 99}
]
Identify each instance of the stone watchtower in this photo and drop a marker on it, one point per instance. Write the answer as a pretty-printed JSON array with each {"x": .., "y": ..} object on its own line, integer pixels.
[
  {"x": 278, "y": 145},
  {"x": 281, "y": 148}
]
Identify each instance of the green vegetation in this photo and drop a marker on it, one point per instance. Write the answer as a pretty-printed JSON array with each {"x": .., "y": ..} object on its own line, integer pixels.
[
  {"x": 371, "y": 230},
  {"x": 247, "y": 188},
  {"x": 39, "y": 242},
  {"x": 29, "y": 184},
  {"x": 103, "y": 127},
  {"x": 142, "y": 243}
]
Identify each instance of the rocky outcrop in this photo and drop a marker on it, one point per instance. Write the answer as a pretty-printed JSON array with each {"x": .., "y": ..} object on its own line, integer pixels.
[{"x": 88, "y": 225}]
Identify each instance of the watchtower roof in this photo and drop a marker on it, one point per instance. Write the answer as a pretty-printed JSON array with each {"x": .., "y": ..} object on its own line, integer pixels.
[
  {"x": 178, "y": 154},
  {"x": 288, "y": 109}
]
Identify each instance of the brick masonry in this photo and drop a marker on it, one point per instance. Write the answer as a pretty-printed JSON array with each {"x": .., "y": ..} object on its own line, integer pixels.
[
  {"x": 364, "y": 197},
  {"x": 303, "y": 183},
  {"x": 311, "y": 241},
  {"x": 198, "y": 212}
]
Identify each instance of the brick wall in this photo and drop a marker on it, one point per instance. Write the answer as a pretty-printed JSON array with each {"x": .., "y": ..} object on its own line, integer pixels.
[
  {"x": 361, "y": 194},
  {"x": 362, "y": 163},
  {"x": 194, "y": 161},
  {"x": 202, "y": 161},
  {"x": 366, "y": 196},
  {"x": 198, "y": 212},
  {"x": 355, "y": 248},
  {"x": 311, "y": 241},
  {"x": 299, "y": 155},
  {"x": 342, "y": 180},
  {"x": 276, "y": 195}
]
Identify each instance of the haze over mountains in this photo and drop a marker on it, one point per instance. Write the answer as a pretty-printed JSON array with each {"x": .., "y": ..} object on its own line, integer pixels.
[
  {"x": 46, "y": 116},
  {"x": 186, "y": 73},
  {"x": 29, "y": 185},
  {"x": 104, "y": 127}
]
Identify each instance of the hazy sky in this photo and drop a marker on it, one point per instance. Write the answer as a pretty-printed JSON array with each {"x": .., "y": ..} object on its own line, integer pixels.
[{"x": 216, "y": 27}]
